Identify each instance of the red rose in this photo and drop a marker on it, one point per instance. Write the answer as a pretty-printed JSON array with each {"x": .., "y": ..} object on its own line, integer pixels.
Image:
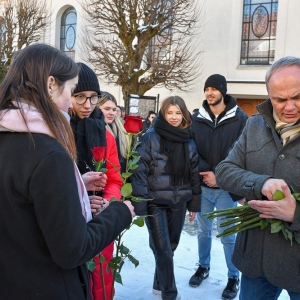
[
  {"x": 99, "y": 153},
  {"x": 133, "y": 124}
]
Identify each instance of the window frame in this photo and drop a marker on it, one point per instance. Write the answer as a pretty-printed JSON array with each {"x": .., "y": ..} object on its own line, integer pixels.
[
  {"x": 67, "y": 32},
  {"x": 260, "y": 37}
]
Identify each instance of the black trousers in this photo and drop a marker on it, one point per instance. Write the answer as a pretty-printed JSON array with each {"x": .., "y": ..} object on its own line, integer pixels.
[{"x": 165, "y": 225}]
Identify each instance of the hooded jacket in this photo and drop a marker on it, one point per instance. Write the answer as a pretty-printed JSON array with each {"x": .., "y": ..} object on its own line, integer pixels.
[{"x": 215, "y": 137}]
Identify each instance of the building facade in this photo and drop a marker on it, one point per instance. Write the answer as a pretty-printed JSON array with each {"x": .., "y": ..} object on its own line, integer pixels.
[{"x": 239, "y": 39}]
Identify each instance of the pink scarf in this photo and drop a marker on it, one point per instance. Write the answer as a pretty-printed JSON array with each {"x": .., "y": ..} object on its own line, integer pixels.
[{"x": 12, "y": 120}]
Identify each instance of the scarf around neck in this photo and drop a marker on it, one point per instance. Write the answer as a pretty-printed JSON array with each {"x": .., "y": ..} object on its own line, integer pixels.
[
  {"x": 174, "y": 144},
  {"x": 12, "y": 120},
  {"x": 287, "y": 131},
  {"x": 88, "y": 132}
]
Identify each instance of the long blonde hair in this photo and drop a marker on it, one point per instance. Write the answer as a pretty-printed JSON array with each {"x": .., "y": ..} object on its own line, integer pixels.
[{"x": 116, "y": 128}]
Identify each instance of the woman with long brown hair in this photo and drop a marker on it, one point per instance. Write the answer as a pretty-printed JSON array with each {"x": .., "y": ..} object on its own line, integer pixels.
[
  {"x": 45, "y": 217},
  {"x": 167, "y": 174}
]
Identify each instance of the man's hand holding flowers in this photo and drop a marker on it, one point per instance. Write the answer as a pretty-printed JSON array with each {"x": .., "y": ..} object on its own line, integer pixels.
[
  {"x": 271, "y": 214},
  {"x": 282, "y": 210}
]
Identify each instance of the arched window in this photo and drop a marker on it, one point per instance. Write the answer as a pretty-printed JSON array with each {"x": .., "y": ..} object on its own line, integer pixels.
[
  {"x": 259, "y": 32},
  {"x": 68, "y": 32}
]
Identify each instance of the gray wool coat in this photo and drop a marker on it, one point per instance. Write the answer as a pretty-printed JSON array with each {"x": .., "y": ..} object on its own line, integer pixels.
[{"x": 257, "y": 156}]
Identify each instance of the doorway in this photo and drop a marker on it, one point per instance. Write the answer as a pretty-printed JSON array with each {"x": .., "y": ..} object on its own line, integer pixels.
[{"x": 249, "y": 105}]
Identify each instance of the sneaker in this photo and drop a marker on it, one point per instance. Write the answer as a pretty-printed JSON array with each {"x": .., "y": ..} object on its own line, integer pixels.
[
  {"x": 232, "y": 287},
  {"x": 199, "y": 276}
]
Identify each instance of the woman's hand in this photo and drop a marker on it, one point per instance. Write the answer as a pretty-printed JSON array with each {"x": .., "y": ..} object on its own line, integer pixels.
[
  {"x": 131, "y": 208},
  {"x": 94, "y": 181},
  {"x": 97, "y": 204}
]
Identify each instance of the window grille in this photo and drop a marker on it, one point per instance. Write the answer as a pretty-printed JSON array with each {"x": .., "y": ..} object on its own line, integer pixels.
[
  {"x": 259, "y": 32},
  {"x": 68, "y": 32}
]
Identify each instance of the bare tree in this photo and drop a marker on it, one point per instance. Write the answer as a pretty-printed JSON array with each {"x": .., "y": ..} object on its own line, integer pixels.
[
  {"x": 139, "y": 44},
  {"x": 22, "y": 22}
]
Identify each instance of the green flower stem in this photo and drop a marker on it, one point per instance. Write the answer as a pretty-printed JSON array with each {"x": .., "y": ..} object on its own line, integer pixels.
[
  {"x": 127, "y": 159},
  {"x": 239, "y": 230},
  {"x": 114, "y": 270},
  {"x": 122, "y": 233},
  {"x": 102, "y": 279},
  {"x": 239, "y": 220},
  {"x": 237, "y": 208},
  {"x": 117, "y": 256},
  {"x": 244, "y": 217},
  {"x": 243, "y": 224},
  {"x": 229, "y": 212}
]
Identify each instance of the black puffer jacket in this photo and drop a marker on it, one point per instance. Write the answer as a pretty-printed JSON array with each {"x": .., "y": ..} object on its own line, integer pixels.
[{"x": 150, "y": 180}]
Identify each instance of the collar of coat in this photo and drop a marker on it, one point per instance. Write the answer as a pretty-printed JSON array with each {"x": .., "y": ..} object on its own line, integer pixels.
[{"x": 229, "y": 111}]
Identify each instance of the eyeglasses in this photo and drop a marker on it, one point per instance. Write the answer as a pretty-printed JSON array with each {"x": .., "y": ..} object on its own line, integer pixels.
[{"x": 81, "y": 99}]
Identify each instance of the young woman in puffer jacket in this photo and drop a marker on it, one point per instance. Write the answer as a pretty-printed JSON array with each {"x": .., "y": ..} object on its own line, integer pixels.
[
  {"x": 168, "y": 174},
  {"x": 88, "y": 126}
]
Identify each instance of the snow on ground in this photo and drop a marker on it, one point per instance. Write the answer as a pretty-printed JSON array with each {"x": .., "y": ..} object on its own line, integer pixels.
[{"x": 137, "y": 282}]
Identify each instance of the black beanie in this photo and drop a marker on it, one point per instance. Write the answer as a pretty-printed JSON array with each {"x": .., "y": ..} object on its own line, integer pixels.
[
  {"x": 218, "y": 82},
  {"x": 87, "y": 80}
]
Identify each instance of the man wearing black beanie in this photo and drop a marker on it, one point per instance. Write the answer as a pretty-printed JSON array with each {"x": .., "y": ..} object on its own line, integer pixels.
[{"x": 215, "y": 128}]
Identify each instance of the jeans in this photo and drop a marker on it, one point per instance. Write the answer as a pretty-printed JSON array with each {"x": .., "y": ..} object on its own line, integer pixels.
[
  {"x": 261, "y": 289},
  {"x": 211, "y": 199}
]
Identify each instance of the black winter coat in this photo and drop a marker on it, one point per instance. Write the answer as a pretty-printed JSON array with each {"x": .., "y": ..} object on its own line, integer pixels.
[
  {"x": 256, "y": 157},
  {"x": 214, "y": 139},
  {"x": 150, "y": 181},
  {"x": 146, "y": 126},
  {"x": 45, "y": 240}
]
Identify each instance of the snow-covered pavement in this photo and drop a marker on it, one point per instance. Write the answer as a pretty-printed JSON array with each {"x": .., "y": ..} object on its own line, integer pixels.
[{"x": 137, "y": 282}]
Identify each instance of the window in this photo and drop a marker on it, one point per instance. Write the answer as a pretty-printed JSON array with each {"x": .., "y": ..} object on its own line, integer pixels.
[
  {"x": 68, "y": 32},
  {"x": 160, "y": 45},
  {"x": 259, "y": 32}
]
